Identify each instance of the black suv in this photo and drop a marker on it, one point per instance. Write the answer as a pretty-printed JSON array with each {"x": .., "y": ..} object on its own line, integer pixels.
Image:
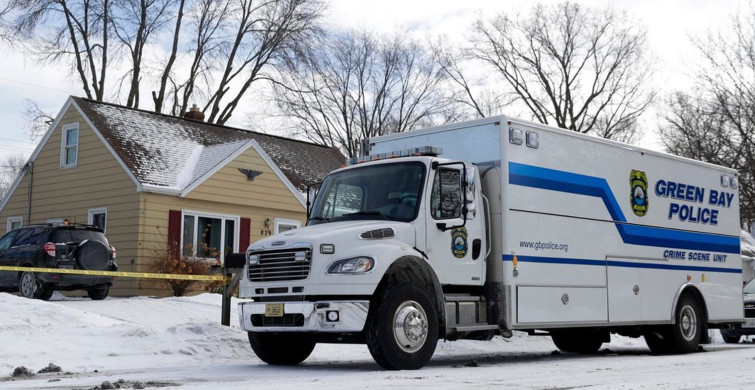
[
  {"x": 733, "y": 334},
  {"x": 56, "y": 246}
]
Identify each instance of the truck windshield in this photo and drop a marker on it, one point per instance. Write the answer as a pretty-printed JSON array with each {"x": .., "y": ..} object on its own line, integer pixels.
[{"x": 385, "y": 191}]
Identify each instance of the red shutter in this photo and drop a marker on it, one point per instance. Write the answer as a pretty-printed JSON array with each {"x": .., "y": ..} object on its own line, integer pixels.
[
  {"x": 244, "y": 234},
  {"x": 174, "y": 233}
]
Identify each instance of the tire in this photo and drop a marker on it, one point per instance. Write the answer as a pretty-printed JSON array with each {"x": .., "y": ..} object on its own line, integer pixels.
[
  {"x": 659, "y": 341},
  {"x": 731, "y": 339},
  {"x": 30, "y": 287},
  {"x": 93, "y": 255},
  {"x": 402, "y": 331},
  {"x": 585, "y": 341},
  {"x": 281, "y": 349},
  {"x": 686, "y": 333},
  {"x": 98, "y": 293}
]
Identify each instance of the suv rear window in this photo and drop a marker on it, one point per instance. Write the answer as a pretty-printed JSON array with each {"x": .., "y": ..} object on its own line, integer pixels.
[{"x": 78, "y": 235}]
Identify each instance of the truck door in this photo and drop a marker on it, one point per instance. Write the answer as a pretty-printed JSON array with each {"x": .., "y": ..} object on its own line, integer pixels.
[{"x": 455, "y": 246}]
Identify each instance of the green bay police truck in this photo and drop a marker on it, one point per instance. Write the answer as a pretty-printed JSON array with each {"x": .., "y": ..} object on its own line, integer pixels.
[{"x": 482, "y": 228}]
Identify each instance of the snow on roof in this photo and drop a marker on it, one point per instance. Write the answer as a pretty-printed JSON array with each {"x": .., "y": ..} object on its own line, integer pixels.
[{"x": 172, "y": 153}]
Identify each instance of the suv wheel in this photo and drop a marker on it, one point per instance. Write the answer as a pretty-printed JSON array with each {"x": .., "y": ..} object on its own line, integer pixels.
[{"x": 30, "y": 287}]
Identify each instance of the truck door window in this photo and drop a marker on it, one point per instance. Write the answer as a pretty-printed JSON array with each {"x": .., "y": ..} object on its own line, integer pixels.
[{"x": 445, "y": 200}]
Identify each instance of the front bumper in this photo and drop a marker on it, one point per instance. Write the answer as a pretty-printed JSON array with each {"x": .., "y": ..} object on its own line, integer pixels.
[{"x": 350, "y": 316}]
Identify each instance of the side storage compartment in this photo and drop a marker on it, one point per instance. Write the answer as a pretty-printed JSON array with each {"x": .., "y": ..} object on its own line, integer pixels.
[{"x": 554, "y": 305}]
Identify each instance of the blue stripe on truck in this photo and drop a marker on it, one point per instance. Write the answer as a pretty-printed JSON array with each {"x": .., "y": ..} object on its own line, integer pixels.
[
  {"x": 616, "y": 263},
  {"x": 573, "y": 183}
]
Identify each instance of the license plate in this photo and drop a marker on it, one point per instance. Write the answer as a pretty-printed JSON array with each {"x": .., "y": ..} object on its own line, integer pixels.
[{"x": 273, "y": 310}]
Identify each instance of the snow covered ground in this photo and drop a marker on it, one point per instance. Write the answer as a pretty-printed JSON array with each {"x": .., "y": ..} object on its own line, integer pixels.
[{"x": 179, "y": 343}]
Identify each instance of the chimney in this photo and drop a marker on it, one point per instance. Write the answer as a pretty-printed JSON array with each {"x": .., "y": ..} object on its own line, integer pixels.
[{"x": 194, "y": 114}]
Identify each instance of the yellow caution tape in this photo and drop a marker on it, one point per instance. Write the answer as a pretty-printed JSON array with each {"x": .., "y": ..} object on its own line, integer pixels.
[{"x": 143, "y": 275}]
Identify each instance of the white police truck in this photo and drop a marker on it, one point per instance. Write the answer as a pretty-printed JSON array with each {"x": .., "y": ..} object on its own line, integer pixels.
[{"x": 482, "y": 228}]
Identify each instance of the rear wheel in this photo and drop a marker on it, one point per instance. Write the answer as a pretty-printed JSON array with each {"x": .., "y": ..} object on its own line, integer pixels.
[
  {"x": 402, "y": 332},
  {"x": 578, "y": 340},
  {"x": 684, "y": 335},
  {"x": 732, "y": 339},
  {"x": 30, "y": 287},
  {"x": 281, "y": 349},
  {"x": 98, "y": 293}
]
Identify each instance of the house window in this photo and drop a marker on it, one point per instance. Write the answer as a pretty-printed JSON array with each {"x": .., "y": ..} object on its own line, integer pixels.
[
  {"x": 69, "y": 147},
  {"x": 209, "y": 235},
  {"x": 14, "y": 223},
  {"x": 283, "y": 225},
  {"x": 98, "y": 217}
]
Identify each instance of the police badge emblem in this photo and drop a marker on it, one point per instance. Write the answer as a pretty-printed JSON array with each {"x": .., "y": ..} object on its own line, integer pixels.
[{"x": 638, "y": 182}]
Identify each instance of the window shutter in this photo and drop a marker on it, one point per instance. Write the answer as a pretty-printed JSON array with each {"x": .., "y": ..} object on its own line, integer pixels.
[
  {"x": 174, "y": 233},
  {"x": 244, "y": 233}
]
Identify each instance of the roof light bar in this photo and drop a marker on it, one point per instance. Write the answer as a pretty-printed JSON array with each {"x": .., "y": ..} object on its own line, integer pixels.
[{"x": 421, "y": 151}]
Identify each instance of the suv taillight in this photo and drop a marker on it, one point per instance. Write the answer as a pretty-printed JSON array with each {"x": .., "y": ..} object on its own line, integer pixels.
[
  {"x": 50, "y": 249},
  {"x": 112, "y": 248}
]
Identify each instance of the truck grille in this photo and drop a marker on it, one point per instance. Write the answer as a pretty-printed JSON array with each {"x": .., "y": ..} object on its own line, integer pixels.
[{"x": 276, "y": 266}]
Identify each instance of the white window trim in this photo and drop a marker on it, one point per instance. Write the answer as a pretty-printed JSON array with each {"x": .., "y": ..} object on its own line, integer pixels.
[
  {"x": 10, "y": 221},
  {"x": 63, "y": 139},
  {"x": 55, "y": 221},
  {"x": 97, "y": 210},
  {"x": 286, "y": 221},
  {"x": 196, "y": 214}
]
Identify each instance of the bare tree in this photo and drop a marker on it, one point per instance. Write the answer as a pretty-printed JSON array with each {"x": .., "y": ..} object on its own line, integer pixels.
[
  {"x": 715, "y": 122},
  {"x": 37, "y": 120},
  {"x": 473, "y": 93},
  {"x": 577, "y": 67},
  {"x": 357, "y": 85},
  {"x": 230, "y": 43},
  {"x": 80, "y": 36},
  {"x": 266, "y": 33},
  {"x": 10, "y": 167},
  {"x": 134, "y": 23}
]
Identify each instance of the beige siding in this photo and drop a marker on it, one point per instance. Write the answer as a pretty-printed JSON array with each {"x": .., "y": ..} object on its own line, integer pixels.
[
  {"x": 98, "y": 180},
  {"x": 227, "y": 192}
]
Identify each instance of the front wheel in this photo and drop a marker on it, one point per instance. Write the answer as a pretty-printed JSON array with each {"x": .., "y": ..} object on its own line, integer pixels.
[
  {"x": 281, "y": 349},
  {"x": 402, "y": 332}
]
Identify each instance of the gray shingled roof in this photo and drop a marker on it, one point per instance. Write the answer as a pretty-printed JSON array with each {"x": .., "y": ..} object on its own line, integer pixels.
[{"x": 171, "y": 152}]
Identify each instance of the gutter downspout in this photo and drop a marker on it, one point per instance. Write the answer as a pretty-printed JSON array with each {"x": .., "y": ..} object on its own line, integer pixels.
[{"x": 30, "y": 168}]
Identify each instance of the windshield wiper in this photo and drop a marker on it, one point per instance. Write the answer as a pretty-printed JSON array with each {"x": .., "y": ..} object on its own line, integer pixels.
[
  {"x": 320, "y": 219},
  {"x": 368, "y": 212}
]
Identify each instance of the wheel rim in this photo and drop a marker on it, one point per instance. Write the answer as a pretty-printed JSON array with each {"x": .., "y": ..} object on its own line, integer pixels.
[
  {"x": 410, "y": 326},
  {"x": 688, "y": 323},
  {"x": 28, "y": 284}
]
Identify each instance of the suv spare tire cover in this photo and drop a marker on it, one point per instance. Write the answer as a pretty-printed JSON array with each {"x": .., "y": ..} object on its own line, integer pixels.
[{"x": 93, "y": 255}]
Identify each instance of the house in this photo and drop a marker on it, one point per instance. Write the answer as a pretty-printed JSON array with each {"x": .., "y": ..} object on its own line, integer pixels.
[{"x": 157, "y": 183}]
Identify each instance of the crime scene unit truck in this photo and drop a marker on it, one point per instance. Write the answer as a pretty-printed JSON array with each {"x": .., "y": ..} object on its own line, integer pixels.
[{"x": 482, "y": 228}]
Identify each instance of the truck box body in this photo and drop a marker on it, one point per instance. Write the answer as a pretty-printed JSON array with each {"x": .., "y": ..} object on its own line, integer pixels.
[
  {"x": 584, "y": 254},
  {"x": 482, "y": 228}
]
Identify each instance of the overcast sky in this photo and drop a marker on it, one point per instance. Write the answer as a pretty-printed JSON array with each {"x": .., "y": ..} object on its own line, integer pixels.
[{"x": 669, "y": 24}]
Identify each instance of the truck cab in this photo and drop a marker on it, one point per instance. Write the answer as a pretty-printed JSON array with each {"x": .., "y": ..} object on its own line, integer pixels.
[{"x": 391, "y": 234}]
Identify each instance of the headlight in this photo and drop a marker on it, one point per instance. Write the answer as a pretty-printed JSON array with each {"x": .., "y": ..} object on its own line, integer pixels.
[{"x": 356, "y": 265}]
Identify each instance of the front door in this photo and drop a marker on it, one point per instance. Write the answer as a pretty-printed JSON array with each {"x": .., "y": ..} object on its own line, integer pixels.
[
  {"x": 6, "y": 277},
  {"x": 455, "y": 246}
]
